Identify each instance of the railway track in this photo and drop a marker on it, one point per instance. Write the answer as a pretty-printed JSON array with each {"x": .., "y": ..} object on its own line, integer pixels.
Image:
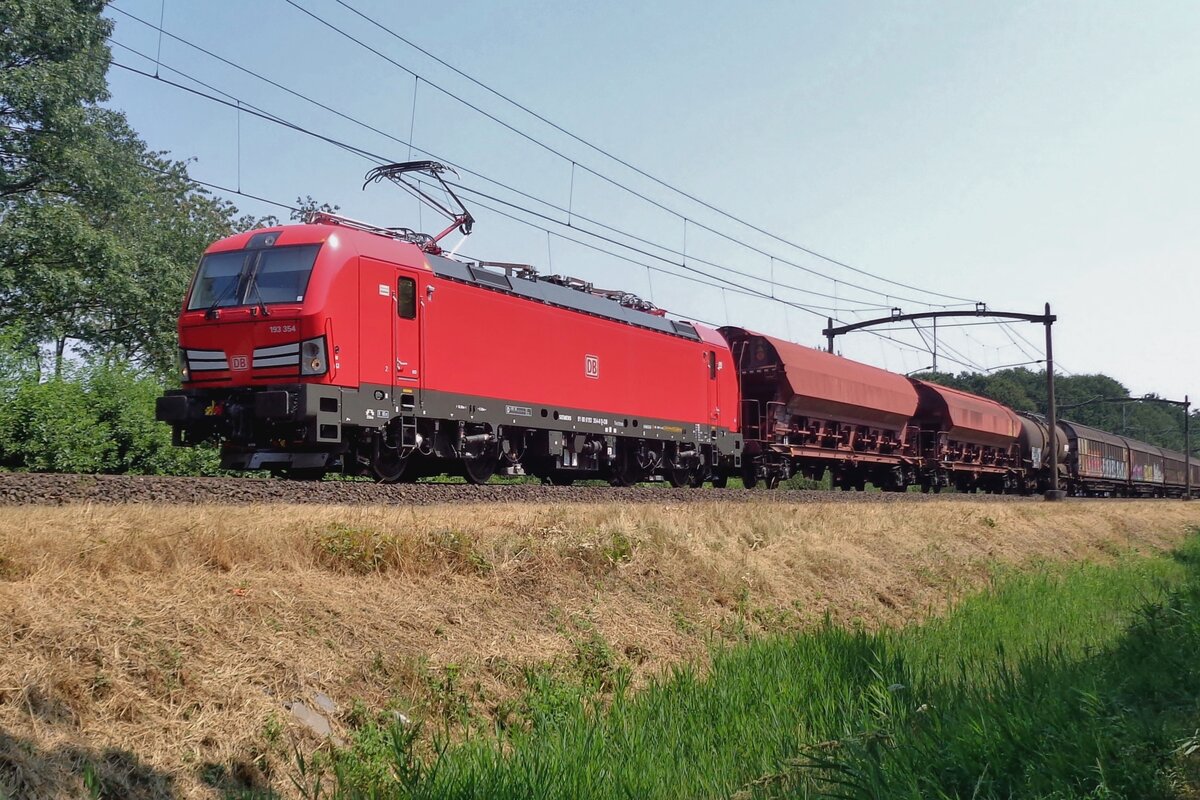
[{"x": 47, "y": 489}]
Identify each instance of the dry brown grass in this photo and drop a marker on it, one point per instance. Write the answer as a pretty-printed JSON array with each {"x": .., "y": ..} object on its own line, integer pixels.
[{"x": 158, "y": 644}]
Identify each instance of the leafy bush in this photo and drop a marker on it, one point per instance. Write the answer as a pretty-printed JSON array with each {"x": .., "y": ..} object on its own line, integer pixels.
[{"x": 94, "y": 419}]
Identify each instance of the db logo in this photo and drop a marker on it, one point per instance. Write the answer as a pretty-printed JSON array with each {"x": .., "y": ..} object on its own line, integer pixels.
[
  {"x": 239, "y": 363},
  {"x": 591, "y": 366}
]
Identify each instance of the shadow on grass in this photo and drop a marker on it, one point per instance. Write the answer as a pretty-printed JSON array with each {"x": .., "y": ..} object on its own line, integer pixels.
[
  {"x": 29, "y": 771},
  {"x": 69, "y": 771}
]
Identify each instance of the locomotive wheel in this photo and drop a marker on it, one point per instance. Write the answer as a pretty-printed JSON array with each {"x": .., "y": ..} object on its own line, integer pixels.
[
  {"x": 720, "y": 481},
  {"x": 697, "y": 479},
  {"x": 626, "y": 471},
  {"x": 679, "y": 476},
  {"x": 749, "y": 477},
  {"x": 481, "y": 468},
  {"x": 773, "y": 480},
  {"x": 388, "y": 467},
  {"x": 626, "y": 475}
]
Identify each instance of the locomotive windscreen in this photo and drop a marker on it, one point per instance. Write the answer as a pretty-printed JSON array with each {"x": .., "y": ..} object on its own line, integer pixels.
[{"x": 251, "y": 277}]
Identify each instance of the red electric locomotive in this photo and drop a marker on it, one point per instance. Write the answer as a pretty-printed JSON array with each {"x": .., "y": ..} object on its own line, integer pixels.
[{"x": 336, "y": 345}]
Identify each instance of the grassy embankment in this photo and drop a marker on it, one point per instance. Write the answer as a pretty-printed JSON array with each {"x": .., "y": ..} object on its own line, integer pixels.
[
  {"x": 1061, "y": 682},
  {"x": 157, "y": 648}
]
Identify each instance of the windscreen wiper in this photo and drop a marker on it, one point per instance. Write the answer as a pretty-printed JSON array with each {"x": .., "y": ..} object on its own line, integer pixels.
[
  {"x": 210, "y": 312},
  {"x": 253, "y": 284}
]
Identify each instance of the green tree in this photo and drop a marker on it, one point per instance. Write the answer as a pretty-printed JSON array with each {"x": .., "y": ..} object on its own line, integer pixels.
[
  {"x": 53, "y": 59},
  {"x": 304, "y": 206},
  {"x": 98, "y": 234}
]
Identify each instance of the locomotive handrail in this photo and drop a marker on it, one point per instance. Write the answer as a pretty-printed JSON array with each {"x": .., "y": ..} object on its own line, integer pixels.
[{"x": 401, "y": 233}]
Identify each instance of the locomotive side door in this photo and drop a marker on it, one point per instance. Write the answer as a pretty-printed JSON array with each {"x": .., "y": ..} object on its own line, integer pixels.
[
  {"x": 714, "y": 398},
  {"x": 389, "y": 330},
  {"x": 408, "y": 334}
]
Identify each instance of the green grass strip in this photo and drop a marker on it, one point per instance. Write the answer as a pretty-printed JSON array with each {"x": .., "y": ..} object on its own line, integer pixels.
[{"x": 1061, "y": 681}]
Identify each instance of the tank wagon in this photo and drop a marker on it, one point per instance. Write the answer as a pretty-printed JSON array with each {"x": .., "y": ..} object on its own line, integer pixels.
[
  {"x": 336, "y": 345},
  {"x": 1034, "y": 445}
]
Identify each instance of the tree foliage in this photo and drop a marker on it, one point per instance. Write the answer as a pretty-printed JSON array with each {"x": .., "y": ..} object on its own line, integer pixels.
[
  {"x": 53, "y": 60},
  {"x": 98, "y": 234}
]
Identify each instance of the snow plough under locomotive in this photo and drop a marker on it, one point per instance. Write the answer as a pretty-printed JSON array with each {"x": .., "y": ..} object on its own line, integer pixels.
[{"x": 336, "y": 345}]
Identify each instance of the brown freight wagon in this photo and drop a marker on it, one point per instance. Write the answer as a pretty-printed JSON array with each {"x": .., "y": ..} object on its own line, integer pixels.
[
  {"x": 967, "y": 440},
  {"x": 1098, "y": 462},
  {"x": 805, "y": 411}
]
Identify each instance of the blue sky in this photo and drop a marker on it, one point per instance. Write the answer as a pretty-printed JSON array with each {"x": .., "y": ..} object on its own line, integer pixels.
[{"x": 1015, "y": 153}]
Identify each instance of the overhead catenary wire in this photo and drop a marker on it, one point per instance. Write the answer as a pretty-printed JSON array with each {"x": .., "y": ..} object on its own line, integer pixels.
[
  {"x": 607, "y": 179},
  {"x": 380, "y": 159},
  {"x": 1010, "y": 329},
  {"x": 858, "y": 302},
  {"x": 630, "y": 190},
  {"x": 220, "y": 188},
  {"x": 623, "y": 162},
  {"x": 238, "y": 104},
  {"x": 946, "y": 349},
  {"x": 730, "y": 287},
  {"x": 375, "y": 158}
]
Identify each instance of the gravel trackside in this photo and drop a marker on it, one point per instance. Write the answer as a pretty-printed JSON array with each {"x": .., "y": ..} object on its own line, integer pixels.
[{"x": 54, "y": 489}]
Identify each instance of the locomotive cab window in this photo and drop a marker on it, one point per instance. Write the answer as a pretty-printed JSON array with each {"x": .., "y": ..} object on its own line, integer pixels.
[
  {"x": 252, "y": 276},
  {"x": 406, "y": 298}
]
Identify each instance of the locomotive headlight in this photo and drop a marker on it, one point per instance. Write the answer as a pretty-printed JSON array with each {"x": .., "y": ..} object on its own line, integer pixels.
[
  {"x": 312, "y": 356},
  {"x": 182, "y": 362}
]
